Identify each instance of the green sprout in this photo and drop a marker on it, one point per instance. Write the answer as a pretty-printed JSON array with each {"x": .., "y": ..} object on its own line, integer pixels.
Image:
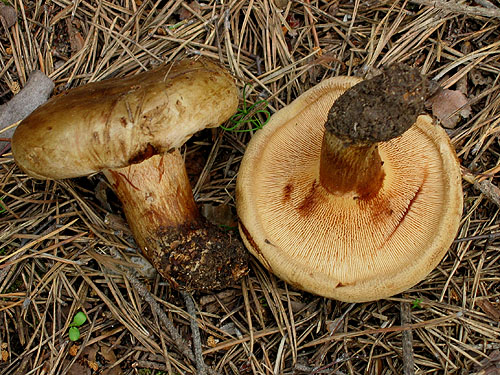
[
  {"x": 416, "y": 303},
  {"x": 248, "y": 115},
  {"x": 78, "y": 320}
]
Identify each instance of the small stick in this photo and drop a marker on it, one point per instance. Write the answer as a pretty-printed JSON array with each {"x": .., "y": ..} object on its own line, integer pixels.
[
  {"x": 453, "y": 7},
  {"x": 169, "y": 325},
  {"x": 200, "y": 364},
  {"x": 408, "y": 359},
  {"x": 490, "y": 191}
]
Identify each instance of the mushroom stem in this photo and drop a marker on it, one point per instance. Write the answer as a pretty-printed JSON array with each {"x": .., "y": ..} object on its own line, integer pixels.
[
  {"x": 355, "y": 168},
  {"x": 155, "y": 194},
  {"x": 372, "y": 111},
  {"x": 159, "y": 206}
]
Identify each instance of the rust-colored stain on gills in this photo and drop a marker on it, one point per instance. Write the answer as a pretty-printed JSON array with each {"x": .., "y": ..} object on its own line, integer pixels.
[
  {"x": 405, "y": 213},
  {"x": 306, "y": 207},
  {"x": 256, "y": 248},
  {"x": 287, "y": 192}
]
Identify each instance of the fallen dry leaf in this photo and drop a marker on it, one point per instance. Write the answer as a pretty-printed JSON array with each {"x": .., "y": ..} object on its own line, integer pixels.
[
  {"x": 90, "y": 352},
  {"x": 93, "y": 365},
  {"x": 73, "y": 350},
  {"x": 185, "y": 14},
  {"x": 77, "y": 369},
  {"x": 212, "y": 341},
  {"x": 76, "y": 40},
  {"x": 490, "y": 365},
  {"x": 448, "y": 106},
  {"x": 5, "y": 355},
  {"x": 109, "y": 355},
  {"x": 489, "y": 309}
]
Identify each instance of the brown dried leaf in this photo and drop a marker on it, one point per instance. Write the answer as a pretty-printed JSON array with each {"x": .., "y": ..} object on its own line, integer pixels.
[
  {"x": 76, "y": 40},
  {"x": 185, "y": 14},
  {"x": 73, "y": 350},
  {"x": 490, "y": 365},
  {"x": 90, "y": 352},
  {"x": 219, "y": 215},
  {"x": 489, "y": 309},
  {"x": 93, "y": 365},
  {"x": 8, "y": 15},
  {"x": 448, "y": 106},
  {"x": 5, "y": 355},
  {"x": 78, "y": 369},
  {"x": 212, "y": 342},
  {"x": 109, "y": 355}
]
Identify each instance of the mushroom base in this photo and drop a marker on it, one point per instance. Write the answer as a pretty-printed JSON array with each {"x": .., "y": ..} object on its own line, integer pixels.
[
  {"x": 184, "y": 248},
  {"x": 197, "y": 256}
]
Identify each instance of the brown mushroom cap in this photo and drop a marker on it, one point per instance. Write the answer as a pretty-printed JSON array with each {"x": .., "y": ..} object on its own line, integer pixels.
[
  {"x": 130, "y": 129},
  {"x": 117, "y": 122},
  {"x": 339, "y": 246}
]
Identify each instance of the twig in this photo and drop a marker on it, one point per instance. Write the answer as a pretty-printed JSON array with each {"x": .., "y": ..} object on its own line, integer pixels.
[
  {"x": 174, "y": 333},
  {"x": 169, "y": 325},
  {"x": 490, "y": 191},
  {"x": 36, "y": 92},
  {"x": 408, "y": 359},
  {"x": 453, "y": 7},
  {"x": 198, "y": 353}
]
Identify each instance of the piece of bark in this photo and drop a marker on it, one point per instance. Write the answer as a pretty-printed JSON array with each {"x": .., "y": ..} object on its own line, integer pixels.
[{"x": 36, "y": 92}]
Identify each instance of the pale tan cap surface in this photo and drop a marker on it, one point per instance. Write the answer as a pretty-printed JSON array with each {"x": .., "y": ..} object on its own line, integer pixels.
[
  {"x": 112, "y": 123},
  {"x": 340, "y": 247}
]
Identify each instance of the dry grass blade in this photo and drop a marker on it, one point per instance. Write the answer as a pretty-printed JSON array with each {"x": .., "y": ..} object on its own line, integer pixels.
[{"x": 63, "y": 245}]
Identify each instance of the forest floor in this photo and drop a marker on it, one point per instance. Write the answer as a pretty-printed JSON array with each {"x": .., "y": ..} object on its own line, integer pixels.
[{"x": 63, "y": 243}]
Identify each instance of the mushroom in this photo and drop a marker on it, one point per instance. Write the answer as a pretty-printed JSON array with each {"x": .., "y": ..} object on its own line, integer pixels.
[
  {"x": 349, "y": 192},
  {"x": 131, "y": 129}
]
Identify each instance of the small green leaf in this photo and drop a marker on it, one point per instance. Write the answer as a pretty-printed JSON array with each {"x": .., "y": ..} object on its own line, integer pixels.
[
  {"x": 416, "y": 303},
  {"x": 79, "y": 319},
  {"x": 74, "y": 333}
]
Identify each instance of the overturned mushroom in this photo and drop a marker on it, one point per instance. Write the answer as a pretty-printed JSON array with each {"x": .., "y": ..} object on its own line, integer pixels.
[
  {"x": 358, "y": 209},
  {"x": 131, "y": 129}
]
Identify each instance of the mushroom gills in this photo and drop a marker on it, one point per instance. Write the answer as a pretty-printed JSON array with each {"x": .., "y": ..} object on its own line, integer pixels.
[{"x": 343, "y": 243}]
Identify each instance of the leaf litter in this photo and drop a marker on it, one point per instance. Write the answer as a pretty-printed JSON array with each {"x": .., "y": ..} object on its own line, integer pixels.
[{"x": 60, "y": 255}]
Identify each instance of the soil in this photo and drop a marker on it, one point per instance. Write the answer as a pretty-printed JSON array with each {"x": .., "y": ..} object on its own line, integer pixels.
[{"x": 380, "y": 108}]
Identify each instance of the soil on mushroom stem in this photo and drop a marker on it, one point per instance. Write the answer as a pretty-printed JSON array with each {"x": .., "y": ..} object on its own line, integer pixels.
[{"x": 359, "y": 115}]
